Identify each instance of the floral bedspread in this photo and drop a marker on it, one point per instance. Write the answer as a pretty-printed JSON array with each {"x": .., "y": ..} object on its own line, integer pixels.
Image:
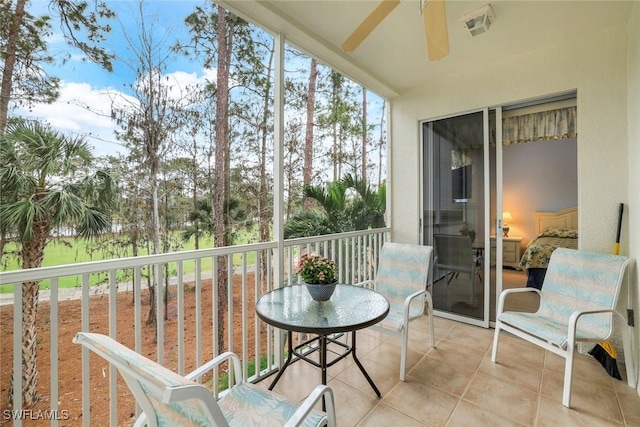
[{"x": 538, "y": 251}]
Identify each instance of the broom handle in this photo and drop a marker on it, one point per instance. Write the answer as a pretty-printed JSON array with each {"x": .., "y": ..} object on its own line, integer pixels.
[{"x": 616, "y": 246}]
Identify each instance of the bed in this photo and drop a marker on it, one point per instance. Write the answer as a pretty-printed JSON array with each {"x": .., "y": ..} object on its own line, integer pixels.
[{"x": 552, "y": 230}]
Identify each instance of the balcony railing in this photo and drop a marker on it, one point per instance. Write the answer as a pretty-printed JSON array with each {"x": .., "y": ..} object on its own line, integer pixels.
[{"x": 112, "y": 297}]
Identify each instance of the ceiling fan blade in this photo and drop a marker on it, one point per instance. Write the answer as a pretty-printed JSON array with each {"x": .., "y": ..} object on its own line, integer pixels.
[
  {"x": 369, "y": 24},
  {"x": 435, "y": 29}
]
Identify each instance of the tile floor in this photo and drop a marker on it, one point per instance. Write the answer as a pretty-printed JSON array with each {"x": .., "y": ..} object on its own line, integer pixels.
[{"x": 455, "y": 384}]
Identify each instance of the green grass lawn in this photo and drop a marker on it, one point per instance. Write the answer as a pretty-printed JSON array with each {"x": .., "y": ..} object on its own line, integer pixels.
[{"x": 71, "y": 251}]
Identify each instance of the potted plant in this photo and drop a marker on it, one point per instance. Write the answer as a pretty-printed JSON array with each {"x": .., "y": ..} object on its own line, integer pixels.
[{"x": 319, "y": 274}]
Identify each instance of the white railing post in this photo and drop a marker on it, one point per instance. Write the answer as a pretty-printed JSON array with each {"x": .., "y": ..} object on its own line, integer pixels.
[{"x": 355, "y": 251}]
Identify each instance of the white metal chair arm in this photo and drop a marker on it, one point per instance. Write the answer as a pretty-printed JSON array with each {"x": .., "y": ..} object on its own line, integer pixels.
[
  {"x": 370, "y": 284},
  {"x": 504, "y": 293},
  {"x": 235, "y": 361},
  {"x": 307, "y": 406},
  {"x": 575, "y": 316},
  {"x": 409, "y": 300}
]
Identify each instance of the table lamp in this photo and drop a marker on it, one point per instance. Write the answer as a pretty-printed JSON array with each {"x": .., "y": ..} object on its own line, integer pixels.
[{"x": 506, "y": 218}]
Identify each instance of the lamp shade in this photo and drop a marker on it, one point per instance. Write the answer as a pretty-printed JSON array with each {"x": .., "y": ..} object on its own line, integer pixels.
[{"x": 506, "y": 217}]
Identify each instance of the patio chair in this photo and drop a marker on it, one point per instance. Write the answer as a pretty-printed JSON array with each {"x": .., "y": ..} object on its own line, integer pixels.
[
  {"x": 402, "y": 277},
  {"x": 577, "y": 303},
  {"x": 454, "y": 254},
  {"x": 167, "y": 398}
]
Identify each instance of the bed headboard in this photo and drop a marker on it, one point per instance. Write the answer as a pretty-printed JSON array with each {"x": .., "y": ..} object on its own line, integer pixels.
[{"x": 566, "y": 218}]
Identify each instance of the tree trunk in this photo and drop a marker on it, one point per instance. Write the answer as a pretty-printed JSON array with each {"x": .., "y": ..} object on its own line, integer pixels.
[
  {"x": 381, "y": 144},
  {"x": 30, "y": 294},
  {"x": 152, "y": 318},
  {"x": 11, "y": 49},
  {"x": 364, "y": 134},
  {"x": 308, "y": 138},
  {"x": 32, "y": 256},
  {"x": 220, "y": 194},
  {"x": 263, "y": 199},
  {"x": 194, "y": 194}
]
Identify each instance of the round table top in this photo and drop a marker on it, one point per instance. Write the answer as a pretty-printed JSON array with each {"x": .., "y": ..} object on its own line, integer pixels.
[{"x": 350, "y": 308}]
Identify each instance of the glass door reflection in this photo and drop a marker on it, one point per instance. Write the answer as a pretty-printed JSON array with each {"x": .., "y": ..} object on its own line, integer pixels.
[{"x": 454, "y": 214}]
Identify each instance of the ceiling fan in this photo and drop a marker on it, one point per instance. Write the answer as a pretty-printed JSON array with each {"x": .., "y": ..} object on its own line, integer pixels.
[{"x": 435, "y": 26}]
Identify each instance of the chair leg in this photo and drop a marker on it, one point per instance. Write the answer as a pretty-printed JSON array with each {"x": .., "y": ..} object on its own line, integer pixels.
[
  {"x": 568, "y": 375},
  {"x": 403, "y": 351},
  {"x": 496, "y": 337},
  {"x": 628, "y": 357},
  {"x": 432, "y": 336}
]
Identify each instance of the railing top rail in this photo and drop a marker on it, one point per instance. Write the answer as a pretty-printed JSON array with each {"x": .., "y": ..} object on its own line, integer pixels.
[
  {"x": 323, "y": 237},
  {"x": 42, "y": 273},
  {"x": 37, "y": 274}
]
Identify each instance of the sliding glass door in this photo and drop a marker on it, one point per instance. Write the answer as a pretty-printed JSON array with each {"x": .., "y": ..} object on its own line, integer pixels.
[{"x": 456, "y": 208}]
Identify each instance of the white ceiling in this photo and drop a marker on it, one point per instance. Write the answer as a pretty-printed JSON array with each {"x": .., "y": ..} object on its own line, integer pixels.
[{"x": 393, "y": 58}]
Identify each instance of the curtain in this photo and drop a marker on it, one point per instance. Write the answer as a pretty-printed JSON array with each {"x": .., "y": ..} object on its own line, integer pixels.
[{"x": 545, "y": 125}]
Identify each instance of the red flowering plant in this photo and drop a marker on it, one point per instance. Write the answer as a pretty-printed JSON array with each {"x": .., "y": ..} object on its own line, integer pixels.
[{"x": 317, "y": 269}]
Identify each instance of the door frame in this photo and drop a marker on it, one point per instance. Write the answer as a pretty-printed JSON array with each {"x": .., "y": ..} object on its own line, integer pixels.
[{"x": 484, "y": 322}]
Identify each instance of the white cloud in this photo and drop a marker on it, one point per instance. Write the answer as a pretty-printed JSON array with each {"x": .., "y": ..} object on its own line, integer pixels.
[
  {"x": 182, "y": 83},
  {"x": 82, "y": 110}
]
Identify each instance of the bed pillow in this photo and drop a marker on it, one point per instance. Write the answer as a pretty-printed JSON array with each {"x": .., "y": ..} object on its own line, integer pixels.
[{"x": 559, "y": 232}]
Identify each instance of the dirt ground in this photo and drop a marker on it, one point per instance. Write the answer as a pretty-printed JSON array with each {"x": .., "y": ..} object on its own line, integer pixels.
[{"x": 70, "y": 374}]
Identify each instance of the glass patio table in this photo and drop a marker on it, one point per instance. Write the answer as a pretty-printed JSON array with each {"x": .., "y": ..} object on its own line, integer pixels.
[{"x": 350, "y": 308}]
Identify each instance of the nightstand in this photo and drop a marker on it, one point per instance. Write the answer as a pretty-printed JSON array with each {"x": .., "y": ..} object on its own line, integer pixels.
[{"x": 510, "y": 251}]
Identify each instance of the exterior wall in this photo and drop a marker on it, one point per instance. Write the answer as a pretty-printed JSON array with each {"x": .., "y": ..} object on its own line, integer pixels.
[
  {"x": 596, "y": 67},
  {"x": 604, "y": 69},
  {"x": 634, "y": 165}
]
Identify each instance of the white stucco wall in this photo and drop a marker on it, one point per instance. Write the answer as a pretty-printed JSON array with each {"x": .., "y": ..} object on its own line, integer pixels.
[
  {"x": 604, "y": 69},
  {"x": 634, "y": 164},
  {"x": 596, "y": 67}
]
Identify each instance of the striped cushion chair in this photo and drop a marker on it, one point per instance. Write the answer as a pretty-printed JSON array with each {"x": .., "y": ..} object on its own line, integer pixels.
[
  {"x": 402, "y": 277},
  {"x": 577, "y": 303},
  {"x": 169, "y": 399}
]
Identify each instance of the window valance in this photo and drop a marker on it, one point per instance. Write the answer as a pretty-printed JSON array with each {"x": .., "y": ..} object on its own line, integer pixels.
[{"x": 545, "y": 125}]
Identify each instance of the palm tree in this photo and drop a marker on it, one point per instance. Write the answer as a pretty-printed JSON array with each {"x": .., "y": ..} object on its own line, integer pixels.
[
  {"x": 339, "y": 212},
  {"x": 368, "y": 210},
  {"x": 201, "y": 220},
  {"x": 46, "y": 181}
]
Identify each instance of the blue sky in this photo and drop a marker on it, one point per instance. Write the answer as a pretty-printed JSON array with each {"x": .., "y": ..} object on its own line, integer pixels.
[{"x": 86, "y": 87}]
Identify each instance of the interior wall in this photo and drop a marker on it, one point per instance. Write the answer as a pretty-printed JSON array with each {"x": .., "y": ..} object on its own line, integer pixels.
[
  {"x": 538, "y": 176},
  {"x": 633, "y": 206}
]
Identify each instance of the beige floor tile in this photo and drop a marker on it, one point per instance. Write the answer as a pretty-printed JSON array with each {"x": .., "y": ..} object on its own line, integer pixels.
[
  {"x": 427, "y": 404},
  {"x": 388, "y": 354},
  {"x": 442, "y": 327},
  {"x": 445, "y": 375},
  {"x": 453, "y": 352},
  {"x": 516, "y": 352},
  {"x": 351, "y": 404},
  {"x": 384, "y": 415},
  {"x": 630, "y": 405},
  {"x": 521, "y": 374},
  {"x": 368, "y": 339},
  {"x": 456, "y": 384},
  {"x": 471, "y": 336},
  {"x": 503, "y": 398},
  {"x": 553, "y": 414},
  {"x": 418, "y": 341},
  {"x": 383, "y": 377},
  {"x": 298, "y": 380},
  {"x": 467, "y": 414},
  {"x": 586, "y": 396}
]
